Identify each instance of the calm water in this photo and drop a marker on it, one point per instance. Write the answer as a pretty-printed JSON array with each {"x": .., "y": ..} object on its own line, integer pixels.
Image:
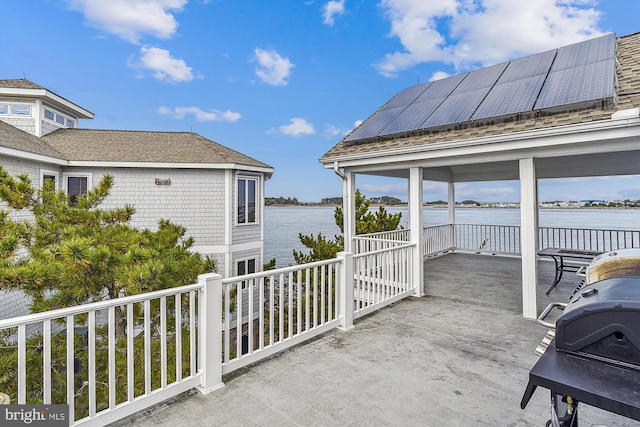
[{"x": 282, "y": 224}]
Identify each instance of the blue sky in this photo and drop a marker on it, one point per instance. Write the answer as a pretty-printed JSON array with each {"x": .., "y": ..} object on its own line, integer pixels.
[{"x": 283, "y": 80}]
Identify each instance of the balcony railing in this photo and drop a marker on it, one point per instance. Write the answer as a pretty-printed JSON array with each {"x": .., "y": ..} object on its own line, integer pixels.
[{"x": 110, "y": 359}]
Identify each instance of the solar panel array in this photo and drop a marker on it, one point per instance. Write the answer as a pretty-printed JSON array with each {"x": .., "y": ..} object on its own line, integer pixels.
[{"x": 556, "y": 80}]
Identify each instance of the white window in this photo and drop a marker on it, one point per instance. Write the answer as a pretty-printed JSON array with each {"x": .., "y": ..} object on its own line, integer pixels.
[
  {"x": 21, "y": 110},
  {"x": 4, "y": 109},
  {"x": 247, "y": 195},
  {"x": 61, "y": 119},
  {"x": 76, "y": 185},
  {"x": 49, "y": 176},
  {"x": 246, "y": 266}
]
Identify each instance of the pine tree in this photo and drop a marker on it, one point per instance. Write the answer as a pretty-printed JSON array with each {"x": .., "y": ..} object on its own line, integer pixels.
[
  {"x": 366, "y": 222},
  {"x": 63, "y": 253}
]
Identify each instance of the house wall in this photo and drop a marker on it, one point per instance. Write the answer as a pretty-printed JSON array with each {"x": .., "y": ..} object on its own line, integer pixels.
[
  {"x": 15, "y": 167},
  {"x": 194, "y": 199}
]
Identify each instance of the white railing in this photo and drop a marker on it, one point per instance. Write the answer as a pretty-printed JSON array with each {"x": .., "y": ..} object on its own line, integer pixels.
[
  {"x": 377, "y": 241},
  {"x": 382, "y": 277},
  {"x": 270, "y": 311},
  {"x": 588, "y": 239},
  {"x": 110, "y": 359},
  {"x": 481, "y": 238},
  {"x": 437, "y": 239}
]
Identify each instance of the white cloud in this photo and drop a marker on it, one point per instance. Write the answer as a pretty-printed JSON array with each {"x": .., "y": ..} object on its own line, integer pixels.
[
  {"x": 330, "y": 10},
  {"x": 272, "y": 68},
  {"x": 131, "y": 19},
  {"x": 297, "y": 127},
  {"x": 472, "y": 33},
  {"x": 438, "y": 75},
  {"x": 162, "y": 65},
  {"x": 332, "y": 131},
  {"x": 384, "y": 189},
  {"x": 201, "y": 115}
]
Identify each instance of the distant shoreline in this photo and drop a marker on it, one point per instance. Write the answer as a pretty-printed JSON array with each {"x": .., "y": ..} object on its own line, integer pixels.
[{"x": 482, "y": 206}]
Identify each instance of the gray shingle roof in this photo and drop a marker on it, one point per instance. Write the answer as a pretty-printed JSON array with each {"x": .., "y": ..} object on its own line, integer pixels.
[
  {"x": 628, "y": 96},
  {"x": 11, "y": 137},
  {"x": 143, "y": 146},
  {"x": 19, "y": 84}
]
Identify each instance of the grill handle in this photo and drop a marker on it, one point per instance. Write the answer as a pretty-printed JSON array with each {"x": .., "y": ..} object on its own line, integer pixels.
[
  {"x": 546, "y": 312},
  {"x": 582, "y": 271}
]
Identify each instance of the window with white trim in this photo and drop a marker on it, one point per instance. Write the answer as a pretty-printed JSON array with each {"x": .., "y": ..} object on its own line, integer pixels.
[
  {"x": 49, "y": 176},
  {"x": 246, "y": 266},
  {"x": 77, "y": 185},
  {"x": 9, "y": 109},
  {"x": 59, "y": 118},
  {"x": 247, "y": 195},
  {"x": 21, "y": 110}
]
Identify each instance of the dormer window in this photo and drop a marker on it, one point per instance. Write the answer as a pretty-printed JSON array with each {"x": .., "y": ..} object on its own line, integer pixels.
[
  {"x": 15, "y": 110},
  {"x": 21, "y": 110},
  {"x": 59, "y": 118}
]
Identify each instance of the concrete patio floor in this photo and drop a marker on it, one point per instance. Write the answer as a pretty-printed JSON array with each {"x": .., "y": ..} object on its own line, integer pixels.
[{"x": 459, "y": 356}]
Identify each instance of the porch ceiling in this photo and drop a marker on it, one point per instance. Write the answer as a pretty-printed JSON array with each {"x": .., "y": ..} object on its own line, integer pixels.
[{"x": 473, "y": 170}]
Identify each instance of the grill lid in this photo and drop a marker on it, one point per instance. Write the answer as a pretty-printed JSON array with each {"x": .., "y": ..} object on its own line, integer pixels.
[{"x": 601, "y": 321}]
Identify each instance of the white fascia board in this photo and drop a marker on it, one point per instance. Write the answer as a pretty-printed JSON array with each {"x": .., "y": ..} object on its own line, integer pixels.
[
  {"x": 50, "y": 97},
  {"x": 11, "y": 152},
  {"x": 164, "y": 165},
  {"x": 534, "y": 140}
]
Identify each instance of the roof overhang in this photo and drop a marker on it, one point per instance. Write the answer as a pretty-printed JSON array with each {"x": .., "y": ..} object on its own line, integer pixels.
[
  {"x": 19, "y": 154},
  {"x": 49, "y": 97},
  {"x": 604, "y": 147},
  {"x": 165, "y": 165}
]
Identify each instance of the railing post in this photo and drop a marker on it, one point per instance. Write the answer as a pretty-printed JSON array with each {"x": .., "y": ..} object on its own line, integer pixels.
[
  {"x": 345, "y": 290},
  {"x": 210, "y": 333}
]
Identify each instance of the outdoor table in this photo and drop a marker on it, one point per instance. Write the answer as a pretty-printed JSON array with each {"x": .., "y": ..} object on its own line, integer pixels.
[{"x": 570, "y": 260}]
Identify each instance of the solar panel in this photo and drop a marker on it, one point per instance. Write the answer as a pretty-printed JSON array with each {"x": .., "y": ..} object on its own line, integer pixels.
[
  {"x": 456, "y": 108},
  {"x": 577, "y": 74},
  {"x": 485, "y": 77},
  {"x": 374, "y": 124},
  {"x": 441, "y": 88},
  {"x": 586, "y": 52},
  {"x": 590, "y": 82},
  {"x": 414, "y": 115},
  {"x": 512, "y": 97},
  {"x": 406, "y": 97},
  {"x": 529, "y": 66}
]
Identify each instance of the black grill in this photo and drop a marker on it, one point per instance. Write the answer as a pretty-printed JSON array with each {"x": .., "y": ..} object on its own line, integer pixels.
[{"x": 592, "y": 353}]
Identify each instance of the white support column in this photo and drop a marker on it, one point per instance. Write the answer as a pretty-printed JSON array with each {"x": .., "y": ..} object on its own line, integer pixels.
[
  {"x": 416, "y": 222},
  {"x": 345, "y": 290},
  {"x": 529, "y": 236},
  {"x": 349, "y": 209},
  {"x": 451, "y": 205},
  {"x": 210, "y": 333}
]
